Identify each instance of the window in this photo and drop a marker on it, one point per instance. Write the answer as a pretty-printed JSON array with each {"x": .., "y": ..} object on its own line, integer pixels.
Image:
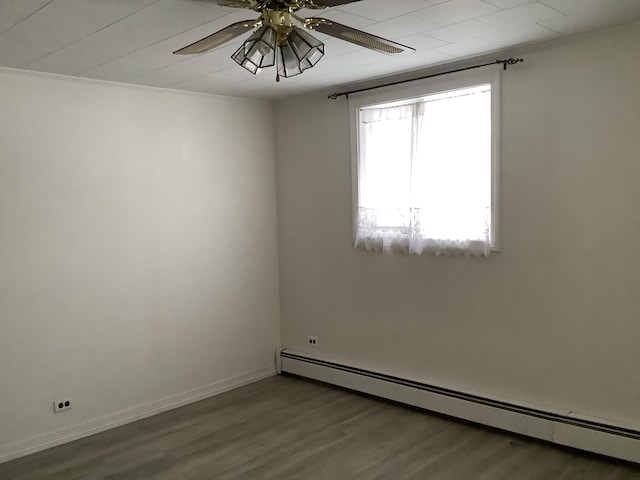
[{"x": 426, "y": 167}]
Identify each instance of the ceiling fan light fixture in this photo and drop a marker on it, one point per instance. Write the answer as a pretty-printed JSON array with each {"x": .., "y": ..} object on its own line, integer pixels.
[
  {"x": 258, "y": 51},
  {"x": 277, "y": 41},
  {"x": 298, "y": 52},
  {"x": 306, "y": 47}
]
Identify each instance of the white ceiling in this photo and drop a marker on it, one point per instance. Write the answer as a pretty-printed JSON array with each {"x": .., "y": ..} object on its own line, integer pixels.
[{"x": 132, "y": 40}]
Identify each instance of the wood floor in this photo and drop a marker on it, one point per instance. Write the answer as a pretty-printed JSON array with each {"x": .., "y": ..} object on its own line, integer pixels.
[{"x": 289, "y": 428}]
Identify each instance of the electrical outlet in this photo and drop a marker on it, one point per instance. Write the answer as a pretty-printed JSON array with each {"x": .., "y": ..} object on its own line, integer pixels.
[
  {"x": 313, "y": 341},
  {"x": 62, "y": 405}
]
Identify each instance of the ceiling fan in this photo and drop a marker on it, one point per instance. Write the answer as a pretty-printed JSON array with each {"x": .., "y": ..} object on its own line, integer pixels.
[{"x": 278, "y": 41}]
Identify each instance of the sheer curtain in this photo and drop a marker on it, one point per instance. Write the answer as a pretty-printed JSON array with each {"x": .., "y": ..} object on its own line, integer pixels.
[{"x": 424, "y": 175}]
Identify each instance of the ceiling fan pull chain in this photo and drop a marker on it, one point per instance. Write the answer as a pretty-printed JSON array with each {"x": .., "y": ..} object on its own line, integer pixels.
[{"x": 277, "y": 60}]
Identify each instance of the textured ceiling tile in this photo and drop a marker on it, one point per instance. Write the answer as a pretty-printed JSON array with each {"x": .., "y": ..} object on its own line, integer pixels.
[
  {"x": 315, "y": 12},
  {"x": 351, "y": 62},
  {"x": 585, "y": 21},
  {"x": 400, "y": 27},
  {"x": 218, "y": 59},
  {"x": 62, "y": 23},
  {"x": 528, "y": 14},
  {"x": 16, "y": 55},
  {"x": 118, "y": 70},
  {"x": 167, "y": 76},
  {"x": 456, "y": 11},
  {"x": 236, "y": 73},
  {"x": 12, "y": 12},
  {"x": 498, "y": 41},
  {"x": 593, "y": 6},
  {"x": 345, "y": 18},
  {"x": 421, "y": 42},
  {"x": 161, "y": 53},
  {"x": 508, "y": 3},
  {"x": 213, "y": 84},
  {"x": 576, "y": 6},
  {"x": 421, "y": 61},
  {"x": 381, "y": 10},
  {"x": 159, "y": 21},
  {"x": 464, "y": 31}
]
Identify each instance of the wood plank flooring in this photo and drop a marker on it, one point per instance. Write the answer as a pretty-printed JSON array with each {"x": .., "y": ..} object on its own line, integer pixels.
[{"x": 289, "y": 428}]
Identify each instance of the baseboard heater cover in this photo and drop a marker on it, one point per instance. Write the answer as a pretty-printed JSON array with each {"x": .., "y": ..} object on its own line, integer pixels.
[{"x": 563, "y": 429}]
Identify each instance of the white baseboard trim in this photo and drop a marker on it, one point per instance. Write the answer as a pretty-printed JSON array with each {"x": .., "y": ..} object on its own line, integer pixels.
[
  {"x": 33, "y": 445},
  {"x": 560, "y": 427}
]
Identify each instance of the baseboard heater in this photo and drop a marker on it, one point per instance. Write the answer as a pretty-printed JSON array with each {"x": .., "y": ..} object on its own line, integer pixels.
[{"x": 561, "y": 428}]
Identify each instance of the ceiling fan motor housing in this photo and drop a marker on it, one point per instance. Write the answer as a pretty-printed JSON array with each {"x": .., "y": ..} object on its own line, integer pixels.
[{"x": 281, "y": 21}]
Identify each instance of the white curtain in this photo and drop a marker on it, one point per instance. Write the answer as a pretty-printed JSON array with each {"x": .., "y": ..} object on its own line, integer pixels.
[{"x": 424, "y": 175}]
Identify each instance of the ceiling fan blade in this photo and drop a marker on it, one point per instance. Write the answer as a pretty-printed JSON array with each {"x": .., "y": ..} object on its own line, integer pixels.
[
  {"x": 364, "y": 39},
  {"x": 220, "y": 37}
]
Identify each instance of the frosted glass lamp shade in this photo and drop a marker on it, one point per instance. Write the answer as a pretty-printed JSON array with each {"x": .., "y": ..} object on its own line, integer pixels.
[
  {"x": 299, "y": 52},
  {"x": 258, "y": 51}
]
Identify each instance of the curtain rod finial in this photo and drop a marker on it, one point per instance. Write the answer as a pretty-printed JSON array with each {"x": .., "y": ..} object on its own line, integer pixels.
[{"x": 510, "y": 61}]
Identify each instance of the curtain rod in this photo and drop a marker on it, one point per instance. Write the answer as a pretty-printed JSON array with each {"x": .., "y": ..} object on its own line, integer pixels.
[{"x": 505, "y": 63}]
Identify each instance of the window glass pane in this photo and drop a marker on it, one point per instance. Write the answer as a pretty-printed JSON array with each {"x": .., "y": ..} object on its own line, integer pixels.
[
  {"x": 452, "y": 168},
  {"x": 387, "y": 169},
  {"x": 425, "y": 173}
]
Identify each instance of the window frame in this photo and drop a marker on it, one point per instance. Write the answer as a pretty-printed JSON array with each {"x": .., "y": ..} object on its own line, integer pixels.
[{"x": 421, "y": 88}]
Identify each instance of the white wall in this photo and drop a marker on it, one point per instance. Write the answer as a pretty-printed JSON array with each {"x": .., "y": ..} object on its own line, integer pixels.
[
  {"x": 138, "y": 250},
  {"x": 551, "y": 320}
]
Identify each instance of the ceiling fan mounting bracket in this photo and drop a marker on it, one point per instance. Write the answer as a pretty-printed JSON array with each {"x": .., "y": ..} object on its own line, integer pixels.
[
  {"x": 277, "y": 18},
  {"x": 281, "y": 21}
]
